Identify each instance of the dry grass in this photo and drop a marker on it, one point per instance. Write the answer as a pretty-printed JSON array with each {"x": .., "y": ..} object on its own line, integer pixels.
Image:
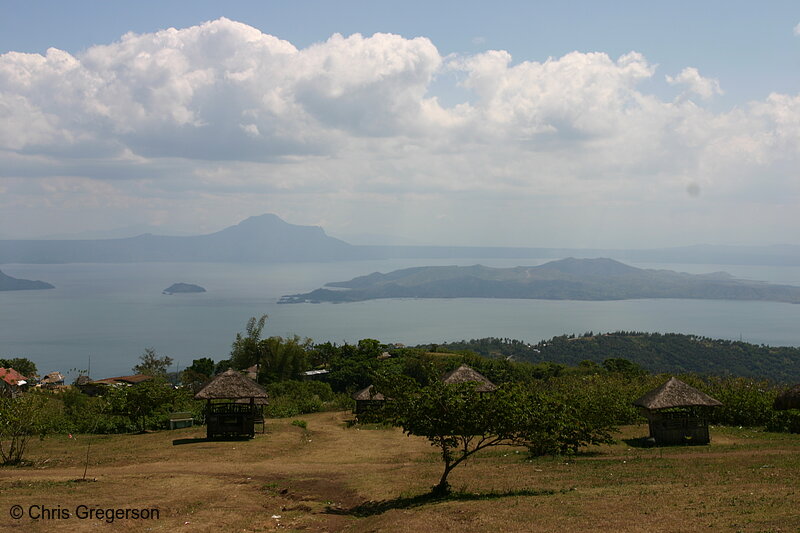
[{"x": 332, "y": 478}]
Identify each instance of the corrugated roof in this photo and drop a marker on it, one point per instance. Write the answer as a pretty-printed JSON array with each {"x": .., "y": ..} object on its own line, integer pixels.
[
  {"x": 12, "y": 377},
  {"x": 675, "y": 393},
  {"x": 466, "y": 374},
  {"x": 231, "y": 385}
]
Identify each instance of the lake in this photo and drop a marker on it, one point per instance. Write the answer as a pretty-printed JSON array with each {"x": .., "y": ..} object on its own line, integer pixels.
[{"x": 112, "y": 312}]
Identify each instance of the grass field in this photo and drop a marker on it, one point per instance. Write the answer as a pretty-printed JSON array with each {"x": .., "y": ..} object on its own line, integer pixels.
[{"x": 329, "y": 477}]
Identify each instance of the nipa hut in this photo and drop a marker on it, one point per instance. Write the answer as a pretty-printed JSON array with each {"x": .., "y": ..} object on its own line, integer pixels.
[
  {"x": 227, "y": 417},
  {"x": 465, "y": 374},
  {"x": 101, "y": 386},
  {"x": 790, "y": 399},
  {"x": 51, "y": 380},
  {"x": 369, "y": 402},
  {"x": 677, "y": 413}
]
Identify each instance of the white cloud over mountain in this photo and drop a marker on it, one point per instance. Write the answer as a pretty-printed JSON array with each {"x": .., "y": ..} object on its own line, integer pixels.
[{"x": 219, "y": 121}]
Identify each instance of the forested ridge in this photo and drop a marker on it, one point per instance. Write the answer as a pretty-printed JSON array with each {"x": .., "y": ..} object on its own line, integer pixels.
[{"x": 655, "y": 352}]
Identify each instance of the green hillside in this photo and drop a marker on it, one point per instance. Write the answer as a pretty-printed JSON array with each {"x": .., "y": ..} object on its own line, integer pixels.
[{"x": 656, "y": 352}]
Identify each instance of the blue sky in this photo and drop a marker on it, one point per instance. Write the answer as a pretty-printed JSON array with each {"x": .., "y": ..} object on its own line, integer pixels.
[{"x": 468, "y": 135}]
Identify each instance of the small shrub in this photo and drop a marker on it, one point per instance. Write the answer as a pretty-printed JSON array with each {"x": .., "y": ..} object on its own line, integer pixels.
[
  {"x": 784, "y": 421},
  {"x": 300, "y": 423}
]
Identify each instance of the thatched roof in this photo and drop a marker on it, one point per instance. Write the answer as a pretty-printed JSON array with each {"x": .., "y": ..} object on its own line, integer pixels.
[
  {"x": 465, "y": 374},
  {"x": 231, "y": 385},
  {"x": 124, "y": 380},
  {"x": 788, "y": 400},
  {"x": 52, "y": 377},
  {"x": 675, "y": 393},
  {"x": 368, "y": 393},
  {"x": 83, "y": 379},
  {"x": 256, "y": 401}
]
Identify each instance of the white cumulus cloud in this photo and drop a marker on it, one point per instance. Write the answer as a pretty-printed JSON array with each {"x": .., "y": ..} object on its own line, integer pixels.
[
  {"x": 695, "y": 83},
  {"x": 221, "y": 119}
]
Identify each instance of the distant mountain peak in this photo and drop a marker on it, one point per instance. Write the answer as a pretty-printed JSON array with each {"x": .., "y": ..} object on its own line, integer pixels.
[
  {"x": 589, "y": 267},
  {"x": 265, "y": 219}
]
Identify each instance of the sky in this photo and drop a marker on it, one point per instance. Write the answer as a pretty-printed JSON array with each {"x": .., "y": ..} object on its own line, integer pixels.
[{"x": 575, "y": 124}]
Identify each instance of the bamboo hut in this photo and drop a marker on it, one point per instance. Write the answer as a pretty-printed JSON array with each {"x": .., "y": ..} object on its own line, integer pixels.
[
  {"x": 229, "y": 418},
  {"x": 369, "y": 402},
  {"x": 465, "y": 374},
  {"x": 677, "y": 413},
  {"x": 790, "y": 399},
  {"x": 52, "y": 380}
]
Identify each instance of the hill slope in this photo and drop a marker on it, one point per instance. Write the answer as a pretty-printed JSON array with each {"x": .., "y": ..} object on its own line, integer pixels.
[
  {"x": 669, "y": 352},
  {"x": 567, "y": 279},
  {"x": 264, "y": 238},
  {"x": 7, "y": 283}
]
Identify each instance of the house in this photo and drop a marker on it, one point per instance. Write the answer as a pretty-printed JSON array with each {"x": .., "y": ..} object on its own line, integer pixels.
[
  {"x": 12, "y": 382},
  {"x": 789, "y": 399},
  {"x": 369, "y": 403},
  {"x": 97, "y": 387},
  {"x": 226, "y": 417},
  {"x": 466, "y": 374},
  {"x": 315, "y": 375},
  {"x": 52, "y": 380},
  {"x": 677, "y": 413}
]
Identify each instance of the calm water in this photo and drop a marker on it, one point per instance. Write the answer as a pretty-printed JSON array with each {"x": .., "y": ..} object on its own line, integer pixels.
[{"x": 112, "y": 312}]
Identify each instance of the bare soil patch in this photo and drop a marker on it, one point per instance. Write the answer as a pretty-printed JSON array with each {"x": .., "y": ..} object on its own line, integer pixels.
[{"x": 333, "y": 478}]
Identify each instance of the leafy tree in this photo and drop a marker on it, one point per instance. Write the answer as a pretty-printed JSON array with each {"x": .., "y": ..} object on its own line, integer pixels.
[
  {"x": 561, "y": 424},
  {"x": 24, "y": 366},
  {"x": 457, "y": 420},
  {"x": 143, "y": 400},
  {"x": 246, "y": 350},
  {"x": 282, "y": 359},
  {"x": 355, "y": 365},
  {"x": 278, "y": 358},
  {"x": 20, "y": 419},
  {"x": 623, "y": 366},
  {"x": 198, "y": 373},
  {"x": 222, "y": 366},
  {"x": 151, "y": 364}
]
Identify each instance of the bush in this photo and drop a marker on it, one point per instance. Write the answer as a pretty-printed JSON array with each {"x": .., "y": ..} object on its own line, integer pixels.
[
  {"x": 292, "y": 398},
  {"x": 21, "y": 418},
  {"x": 784, "y": 421}
]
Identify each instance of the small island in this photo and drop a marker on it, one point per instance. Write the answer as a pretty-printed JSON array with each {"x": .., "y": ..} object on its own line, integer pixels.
[
  {"x": 566, "y": 279},
  {"x": 182, "y": 288},
  {"x": 7, "y": 283}
]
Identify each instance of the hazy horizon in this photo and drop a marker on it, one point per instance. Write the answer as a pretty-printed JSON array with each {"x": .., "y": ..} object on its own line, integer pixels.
[{"x": 569, "y": 125}]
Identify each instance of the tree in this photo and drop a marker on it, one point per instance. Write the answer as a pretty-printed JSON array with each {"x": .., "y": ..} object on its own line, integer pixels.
[
  {"x": 461, "y": 422},
  {"x": 282, "y": 359},
  {"x": 20, "y": 419},
  {"x": 140, "y": 401},
  {"x": 246, "y": 350},
  {"x": 151, "y": 364},
  {"x": 456, "y": 419},
  {"x": 23, "y": 365},
  {"x": 198, "y": 373}
]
